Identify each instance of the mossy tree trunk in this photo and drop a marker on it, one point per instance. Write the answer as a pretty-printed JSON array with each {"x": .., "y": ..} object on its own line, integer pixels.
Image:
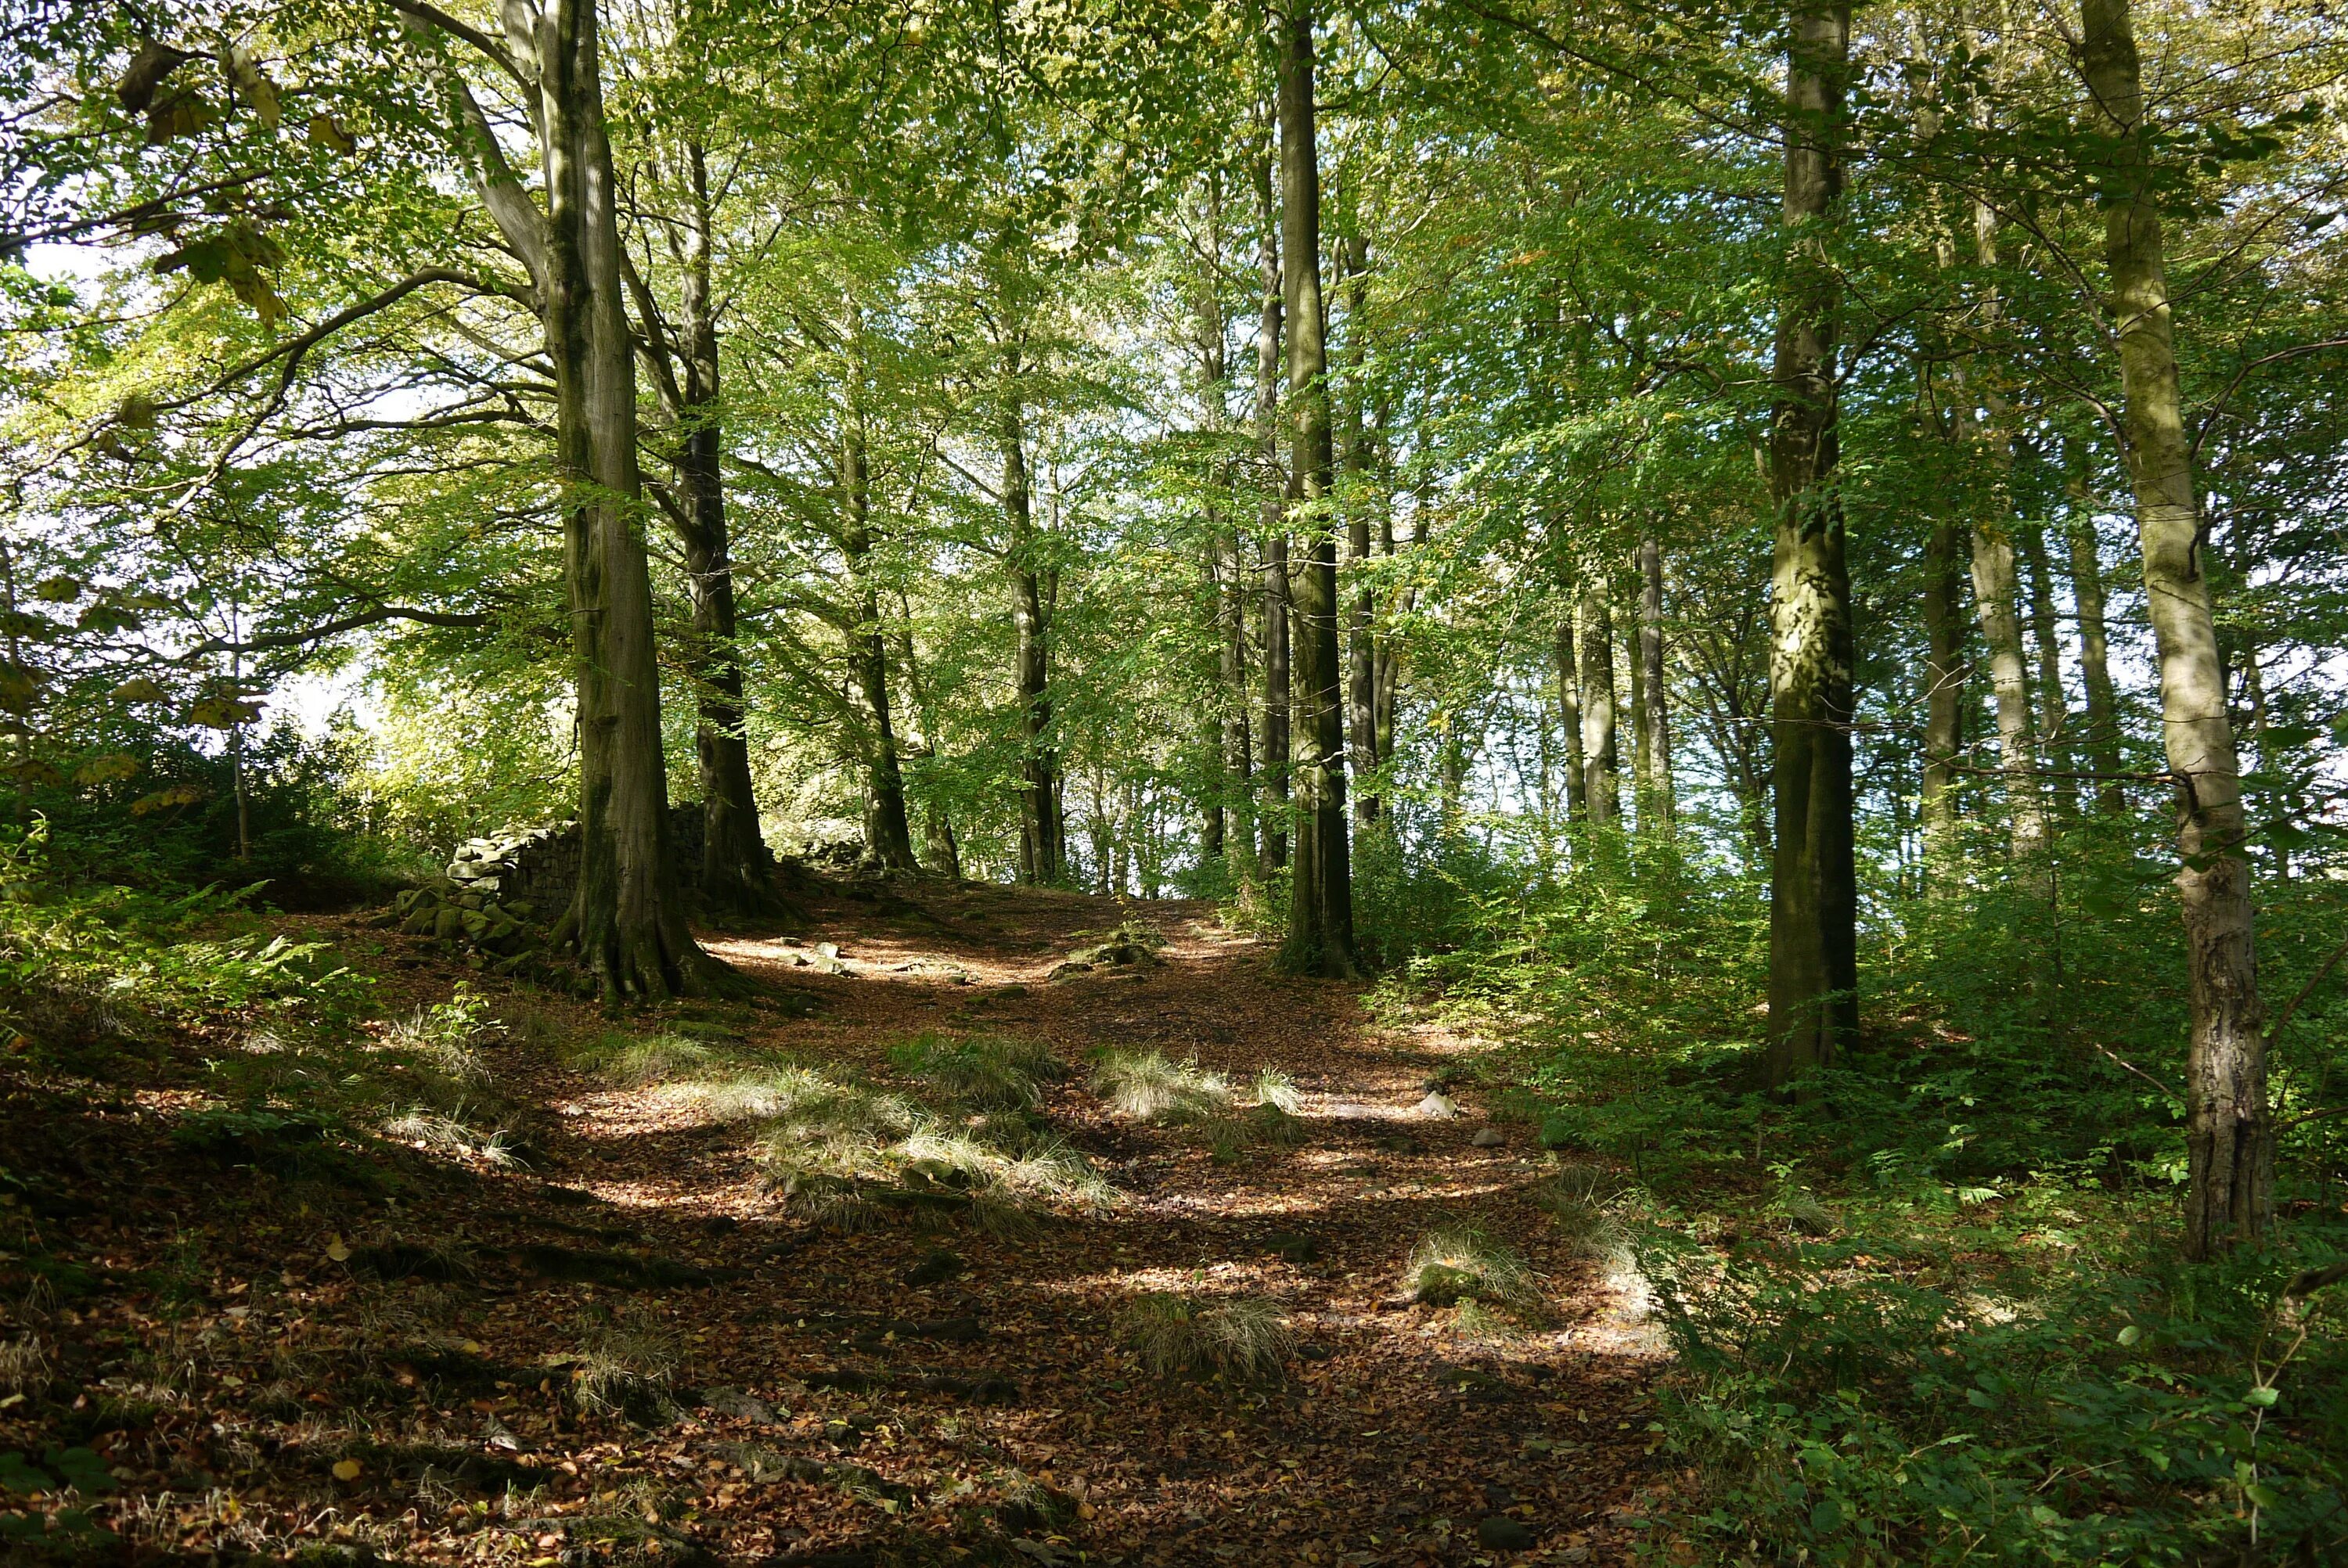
[
  {"x": 2230, "y": 1129},
  {"x": 1320, "y": 902},
  {"x": 1813, "y": 886}
]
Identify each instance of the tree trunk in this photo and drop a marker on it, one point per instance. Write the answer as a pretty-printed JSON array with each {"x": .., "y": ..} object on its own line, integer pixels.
[
  {"x": 1995, "y": 590},
  {"x": 1569, "y": 709},
  {"x": 1656, "y": 806},
  {"x": 1601, "y": 760},
  {"x": 2230, "y": 1134},
  {"x": 1272, "y": 523},
  {"x": 1320, "y": 902},
  {"x": 1944, "y": 694},
  {"x": 627, "y": 918},
  {"x": 1040, "y": 833},
  {"x": 888, "y": 830},
  {"x": 2102, "y": 741},
  {"x": 736, "y": 873},
  {"x": 1813, "y": 891},
  {"x": 1239, "y": 768},
  {"x": 1362, "y": 466},
  {"x": 2046, "y": 643},
  {"x": 1224, "y": 818}
]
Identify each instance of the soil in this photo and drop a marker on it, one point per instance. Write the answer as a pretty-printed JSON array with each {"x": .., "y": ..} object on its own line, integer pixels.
[{"x": 386, "y": 1357}]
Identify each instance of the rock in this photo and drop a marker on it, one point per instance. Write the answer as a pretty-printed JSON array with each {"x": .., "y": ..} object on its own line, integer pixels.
[
  {"x": 1438, "y": 1105},
  {"x": 1062, "y": 971},
  {"x": 937, "y": 1266},
  {"x": 447, "y": 922},
  {"x": 1489, "y": 1138},
  {"x": 827, "y": 949},
  {"x": 1007, "y": 993},
  {"x": 1293, "y": 1247},
  {"x": 1502, "y": 1533}
]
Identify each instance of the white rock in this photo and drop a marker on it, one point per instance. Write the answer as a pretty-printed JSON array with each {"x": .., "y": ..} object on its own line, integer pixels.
[
  {"x": 1488, "y": 1138},
  {"x": 1438, "y": 1105}
]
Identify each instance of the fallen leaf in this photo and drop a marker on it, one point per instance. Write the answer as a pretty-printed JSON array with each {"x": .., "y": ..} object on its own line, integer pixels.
[{"x": 348, "y": 1470}]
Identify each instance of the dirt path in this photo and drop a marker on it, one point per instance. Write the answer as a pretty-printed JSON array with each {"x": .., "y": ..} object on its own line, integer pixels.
[
  {"x": 1397, "y": 1436},
  {"x": 255, "y": 1348}
]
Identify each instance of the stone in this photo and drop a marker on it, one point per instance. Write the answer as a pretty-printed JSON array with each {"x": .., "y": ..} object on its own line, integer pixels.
[
  {"x": 1502, "y": 1533},
  {"x": 1489, "y": 1138},
  {"x": 828, "y": 950},
  {"x": 1438, "y": 1105},
  {"x": 936, "y": 1265},
  {"x": 447, "y": 922},
  {"x": 1293, "y": 1247}
]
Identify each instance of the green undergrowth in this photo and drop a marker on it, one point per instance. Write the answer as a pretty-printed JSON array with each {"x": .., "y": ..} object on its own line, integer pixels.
[{"x": 1931, "y": 1309}]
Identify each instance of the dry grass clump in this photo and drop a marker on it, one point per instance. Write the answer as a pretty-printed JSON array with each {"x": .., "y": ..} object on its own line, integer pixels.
[
  {"x": 450, "y": 1133},
  {"x": 990, "y": 1073},
  {"x": 626, "y": 1358},
  {"x": 24, "y": 1366},
  {"x": 1242, "y": 1338},
  {"x": 1582, "y": 1201},
  {"x": 1145, "y": 1085},
  {"x": 1463, "y": 1264}
]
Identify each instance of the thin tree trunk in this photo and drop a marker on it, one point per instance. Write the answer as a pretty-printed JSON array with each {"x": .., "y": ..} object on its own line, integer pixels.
[
  {"x": 1361, "y": 467},
  {"x": 1040, "y": 829},
  {"x": 1656, "y": 806},
  {"x": 2230, "y": 1134},
  {"x": 1944, "y": 694},
  {"x": 2102, "y": 741},
  {"x": 1321, "y": 903},
  {"x": 1813, "y": 893},
  {"x": 1224, "y": 816},
  {"x": 736, "y": 873},
  {"x": 888, "y": 831},
  {"x": 1237, "y": 751},
  {"x": 1995, "y": 590},
  {"x": 1601, "y": 760},
  {"x": 1569, "y": 708},
  {"x": 2046, "y": 643},
  {"x": 1272, "y": 523}
]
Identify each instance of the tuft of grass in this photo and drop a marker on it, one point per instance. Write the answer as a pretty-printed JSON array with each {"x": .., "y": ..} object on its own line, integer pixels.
[
  {"x": 23, "y": 1366},
  {"x": 1242, "y": 1338},
  {"x": 1580, "y": 1200},
  {"x": 1463, "y": 1264},
  {"x": 990, "y": 1073},
  {"x": 626, "y": 1358},
  {"x": 1277, "y": 1089},
  {"x": 1145, "y": 1085},
  {"x": 449, "y": 1134}
]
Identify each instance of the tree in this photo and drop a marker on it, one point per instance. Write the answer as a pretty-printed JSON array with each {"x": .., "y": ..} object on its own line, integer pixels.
[
  {"x": 2229, "y": 1131},
  {"x": 1813, "y": 883},
  {"x": 627, "y": 917},
  {"x": 1320, "y": 904}
]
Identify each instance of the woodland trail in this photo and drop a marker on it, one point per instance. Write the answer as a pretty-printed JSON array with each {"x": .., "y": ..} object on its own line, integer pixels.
[
  {"x": 388, "y": 1347},
  {"x": 1397, "y": 1437}
]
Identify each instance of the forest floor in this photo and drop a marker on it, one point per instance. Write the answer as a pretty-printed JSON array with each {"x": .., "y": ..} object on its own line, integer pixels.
[{"x": 391, "y": 1354}]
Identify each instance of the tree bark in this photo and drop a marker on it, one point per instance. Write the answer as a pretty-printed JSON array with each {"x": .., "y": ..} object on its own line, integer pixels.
[
  {"x": 736, "y": 873},
  {"x": 1944, "y": 694},
  {"x": 627, "y": 918},
  {"x": 1238, "y": 767},
  {"x": 1272, "y": 526},
  {"x": 1813, "y": 893},
  {"x": 2102, "y": 740},
  {"x": 1320, "y": 902},
  {"x": 888, "y": 829},
  {"x": 2046, "y": 643},
  {"x": 1362, "y": 466},
  {"x": 1656, "y": 806},
  {"x": 1601, "y": 790},
  {"x": 2229, "y": 1131},
  {"x": 1995, "y": 592},
  {"x": 1041, "y": 838},
  {"x": 1568, "y": 707}
]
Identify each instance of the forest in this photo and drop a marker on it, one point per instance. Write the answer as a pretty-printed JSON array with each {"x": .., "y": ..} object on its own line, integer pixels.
[{"x": 900, "y": 782}]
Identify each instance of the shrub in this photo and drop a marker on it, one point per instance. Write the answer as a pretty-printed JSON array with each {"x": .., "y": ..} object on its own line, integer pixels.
[
  {"x": 992, "y": 1072},
  {"x": 1145, "y": 1085},
  {"x": 1463, "y": 1264}
]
